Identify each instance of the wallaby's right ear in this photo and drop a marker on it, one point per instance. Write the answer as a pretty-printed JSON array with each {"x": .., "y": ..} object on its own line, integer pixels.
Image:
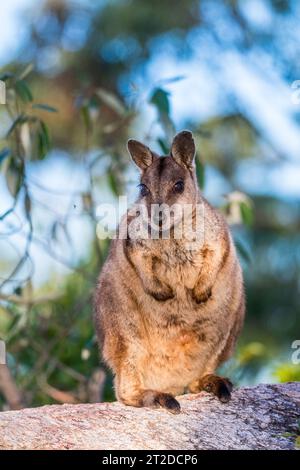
[
  {"x": 183, "y": 149},
  {"x": 140, "y": 154}
]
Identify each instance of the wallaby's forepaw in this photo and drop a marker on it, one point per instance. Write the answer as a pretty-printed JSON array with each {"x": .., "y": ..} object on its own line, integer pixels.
[
  {"x": 154, "y": 399},
  {"x": 219, "y": 386},
  {"x": 161, "y": 292},
  {"x": 162, "y": 296},
  {"x": 201, "y": 297}
]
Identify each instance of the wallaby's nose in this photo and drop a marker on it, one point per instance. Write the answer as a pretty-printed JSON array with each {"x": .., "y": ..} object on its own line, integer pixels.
[{"x": 159, "y": 216}]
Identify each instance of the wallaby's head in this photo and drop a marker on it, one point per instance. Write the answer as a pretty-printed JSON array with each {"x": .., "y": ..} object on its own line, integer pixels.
[{"x": 167, "y": 179}]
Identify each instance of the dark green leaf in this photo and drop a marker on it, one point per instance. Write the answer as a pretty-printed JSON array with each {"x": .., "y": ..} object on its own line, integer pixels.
[
  {"x": 45, "y": 132},
  {"x": 200, "y": 172},
  {"x": 4, "y": 153},
  {"x": 45, "y": 107},
  {"x": 164, "y": 146},
  {"x": 243, "y": 251},
  {"x": 23, "y": 91},
  {"x": 14, "y": 177},
  {"x": 18, "y": 290},
  {"x": 85, "y": 113},
  {"x": 42, "y": 150},
  {"x": 54, "y": 231},
  {"x": 19, "y": 120},
  {"x": 43, "y": 141},
  {"x": 27, "y": 204},
  {"x": 173, "y": 79},
  {"x": 113, "y": 183},
  {"x": 247, "y": 213},
  {"x": 160, "y": 99},
  {"x": 6, "y": 76}
]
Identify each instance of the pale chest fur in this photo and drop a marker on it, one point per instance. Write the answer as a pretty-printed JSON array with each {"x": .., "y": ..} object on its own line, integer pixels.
[
  {"x": 179, "y": 354},
  {"x": 178, "y": 263}
]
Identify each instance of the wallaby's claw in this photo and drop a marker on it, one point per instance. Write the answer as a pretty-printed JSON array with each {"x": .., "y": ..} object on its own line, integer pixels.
[
  {"x": 219, "y": 386},
  {"x": 154, "y": 399}
]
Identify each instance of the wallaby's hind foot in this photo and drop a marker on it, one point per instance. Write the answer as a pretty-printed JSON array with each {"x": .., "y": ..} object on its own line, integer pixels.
[
  {"x": 219, "y": 386},
  {"x": 154, "y": 399}
]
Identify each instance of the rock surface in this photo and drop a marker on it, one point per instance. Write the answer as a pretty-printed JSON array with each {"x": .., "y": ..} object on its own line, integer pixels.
[{"x": 262, "y": 417}]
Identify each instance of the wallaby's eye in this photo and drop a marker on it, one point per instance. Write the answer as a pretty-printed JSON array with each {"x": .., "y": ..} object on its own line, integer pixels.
[
  {"x": 144, "y": 191},
  {"x": 179, "y": 186}
]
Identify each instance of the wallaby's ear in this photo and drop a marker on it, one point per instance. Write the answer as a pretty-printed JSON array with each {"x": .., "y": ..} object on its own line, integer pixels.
[
  {"x": 140, "y": 154},
  {"x": 183, "y": 149}
]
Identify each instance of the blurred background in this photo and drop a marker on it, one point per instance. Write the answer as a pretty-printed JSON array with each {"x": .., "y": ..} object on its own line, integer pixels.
[{"x": 81, "y": 78}]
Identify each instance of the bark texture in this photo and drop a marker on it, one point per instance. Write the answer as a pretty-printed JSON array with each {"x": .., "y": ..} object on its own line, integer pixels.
[{"x": 262, "y": 417}]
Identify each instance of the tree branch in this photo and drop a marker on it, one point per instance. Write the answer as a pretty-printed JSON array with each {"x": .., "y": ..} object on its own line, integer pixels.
[
  {"x": 262, "y": 417},
  {"x": 9, "y": 389}
]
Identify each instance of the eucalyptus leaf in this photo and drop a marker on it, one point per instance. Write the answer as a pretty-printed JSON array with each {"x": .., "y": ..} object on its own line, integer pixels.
[
  {"x": 27, "y": 204},
  {"x": 200, "y": 172},
  {"x": 43, "y": 140},
  {"x": 247, "y": 213},
  {"x": 6, "y": 76},
  {"x": 28, "y": 69},
  {"x": 111, "y": 100},
  {"x": 14, "y": 178},
  {"x": 23, "y": 91},
  {"x": 4, "y": 153},
  {"x": 18, "y": 290},
  {"x": 243, "y": 251},
  {"x": 21, "y": 119},
  {"x": 160, "y": 99},
  {"x": 54, "y": 230},
  {"x": 113, "y": 183},
  {"x": 164, "y": 146},
  {"x": 178, "y": 78},
  {"x": 85, "y": 113},
  {"x": 45, "y": 107}
]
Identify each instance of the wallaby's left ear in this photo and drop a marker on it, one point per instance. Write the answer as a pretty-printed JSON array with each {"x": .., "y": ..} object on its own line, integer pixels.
[
  {"x": 140, "y": 154},
  {"x": 183, "y": 149}
]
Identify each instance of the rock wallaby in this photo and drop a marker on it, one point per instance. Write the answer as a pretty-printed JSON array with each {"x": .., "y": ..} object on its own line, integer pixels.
[{"x": 168, "y": 310}]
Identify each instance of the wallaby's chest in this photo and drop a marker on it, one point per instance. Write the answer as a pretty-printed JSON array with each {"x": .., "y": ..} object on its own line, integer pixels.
[
  {"x": 178, "y": 264},
  {"x": 178, "y": 276}
]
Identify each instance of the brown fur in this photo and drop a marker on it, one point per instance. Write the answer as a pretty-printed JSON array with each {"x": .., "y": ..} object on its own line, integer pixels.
[{"x": 167, "y": 316}]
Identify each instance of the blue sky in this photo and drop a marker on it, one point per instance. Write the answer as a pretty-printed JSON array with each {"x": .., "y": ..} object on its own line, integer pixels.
[{"x": 13, "y": 26}]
